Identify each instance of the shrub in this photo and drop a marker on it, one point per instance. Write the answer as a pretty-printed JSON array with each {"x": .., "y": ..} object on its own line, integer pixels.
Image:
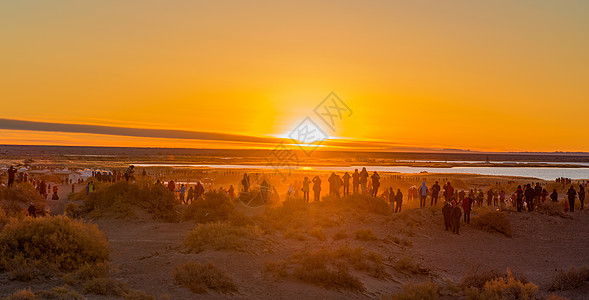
[
  {"x": 504, "y": 288},
  {"x": 426, "y": 290},
  {"x": 493, "y": 221},
  {"x": 72, "y": 210},
  {"x": 292, "y": 233},
  {"x": 59, "y": 293},
  {"x": 198, "y": 277},
  {"x": 568, "y": 280},
  {"x": 213, "y": 207},
  {"x": 18, "y": 197},
  {"x": 24, "y": 294},
  {"x": 317, "y": 233},
  {"x": 340, "y": 235},
  {"x": 361, "y": 203},
  {"x": 365, "y": 235},
  {"x": 221, "y": 236},
  {"x": 477, "y": 279},
  {"x": 406, "y": 264},
  {"x": 289, "y": 213},
  {"x": 555, "y": 209},
  {"x": 53, "y": 241},
  {"x": 104, "y": 286}
]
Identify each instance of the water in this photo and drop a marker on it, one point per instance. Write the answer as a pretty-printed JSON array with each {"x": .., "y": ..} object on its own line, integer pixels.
[{"x": 545, "y": 173}]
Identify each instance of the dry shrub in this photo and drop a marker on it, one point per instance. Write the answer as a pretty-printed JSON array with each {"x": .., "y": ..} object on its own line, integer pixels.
[
  {"x": 317, "y": 233},
  {"x": 398, "y": 241},
  {"x": 360, "y": 203},
  {"x": 555, "y": 209},
  {"x": 18, "y": 197},
  {"x": 215, "y": 206},
  {"x": 426, "y": 290},
  {"x": 340, "y": 235},
  {"x": 59, "y": 293},
  {"x": 52, "y": 241},
  {"x": 119, "y": 199},
  {"x": 198, "y": 277},
  {"x": 504, "y": 288},
  {"x": 24, "y": 294},
  {"x": 222, "y": 236},
  {"x": 407, "y": 265},
  {"x": 294, "y": 234},
  {"x": 493, "y": 221},
  {"x": 283, "y": 216},
  {"x": 329, "y": 269},
  {"x": 365, "y": 235},
  {"x": 72, "y": 210},
  {"x": 477, "y": 278},
  {"x": 104, "y": 286},
  {"x": 568, "y": 280}
]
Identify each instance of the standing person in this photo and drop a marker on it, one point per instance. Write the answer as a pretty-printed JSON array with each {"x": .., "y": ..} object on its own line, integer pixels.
[
  {"x": 422, "y": 194},
  {"x": 32, "y": 210},
  {"x": 571, "y": 193},
  {"x": 73, "y": 187},
  {"x": 245, "y": 182},
  {"x": 529, "y": 195},
  {"x": 537, "y": 194},
  {"x": 231, "y": 192},
  {"x": 391, "y": 196},
  {"x": 171, "y": 186},
  {"x": 129, "y": 172},
  {"x": 182, "y": 191},
  {"x": 435, "y": 193},
  {"x": 448, "y": 191},
  {"x": 334, "y": 185},
  {"x": 11, "y": 175},
  {"x": 199, "y": 190},
  {"x": 447, "y": 213},
  {"x": 363, "y": 180},
  {"x": 375, "y": 184},
  {"x": 544, "y": 195},
  {"x": 519, "y": 198},
  {"x": 489, "y": 197},
  {"x": 456, "y": 215},
  {"x": 316, "y": 188},
  {"x": 190, "y": 195},
  {"x": 398, "y": 200},
  {"x": 346, "y": 178},
  {"x": 466, "y": 206},
  {"x": 306, "y": 189},
  {"x": 502, "y": 198},
  {"x": 581, "y": 195},
  {"x": 355, "y": 181},
  {"x": 554, "y": 196},
  {"x": 87, "y": 188}
]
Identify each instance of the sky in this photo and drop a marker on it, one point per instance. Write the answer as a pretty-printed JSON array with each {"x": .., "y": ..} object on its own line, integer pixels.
[{"x": 478, "y": 75}]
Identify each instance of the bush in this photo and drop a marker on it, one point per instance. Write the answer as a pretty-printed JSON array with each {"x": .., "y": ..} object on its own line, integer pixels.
[
  {"x": 477, "y": 279},
  {"x": 59, "y": 293},
  {"x": 504, "y": 288},
  {"x": 221, "y": 236},
  {"x": 426, "y": 290},
  {"x": 213, "y": 207},
  {"x": 361, "y": 203},
  {"x": 119, "y": 198},
  {"x": 340, "y": 235},
  {"x": 288, "y": 214},
  {"x": 493, "y": 221},
  {"x": 317, "y": 233},
  {"x": 104, "y": 286},
  {"x": 198, "y": 277},
  {"x": 72, "y": 210},
  {"x": 568, "y": 280},
  {"x": 365, "y": 235},
  {"x": 24, "y": 294},
  {"x": 52, "y": 241},
  {"x": 406, "y": 264},
  {"x": 555, "y": 209},
  {"x": 18, "y": 197}
]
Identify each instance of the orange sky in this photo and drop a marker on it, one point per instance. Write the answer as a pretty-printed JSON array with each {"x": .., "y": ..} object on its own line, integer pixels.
[{"x": 496, "y": 76}]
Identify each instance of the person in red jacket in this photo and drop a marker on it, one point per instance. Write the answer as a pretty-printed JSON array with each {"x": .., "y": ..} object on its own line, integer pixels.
[
  {"x": 448, "y": 191},
  {"x": 466, "y": 205}
]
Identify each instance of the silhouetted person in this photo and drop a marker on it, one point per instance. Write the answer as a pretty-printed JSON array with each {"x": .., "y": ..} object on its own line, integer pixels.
[
  {"x": 447, "y": 213},
  {"x": 435, "y": 194},
  {"x": 398, "y": 200},
  {"x": 32, "y": 210},
  {"x": 391, "y": 196},
  {"x": 489, "y": 197},
  {"x": 316, "y": 189},
  {"x": 529, "y": 195},
  {"x": 571, "y": 193},
  {"x": 129, "y": 172},
  {"x": 537, "y": 193},
  {"x": 363, "y": 180},
  {"x": 199, "y": 190},
  {"x": 375, "y": 184},
  {"x": 422, "y": 194},
  {"x": 519, "y": 198},
  {"x": 346, "y": 178},
  {"x": 355, "y": 181},
  {"x": 456, "y": 215},
  {"x": 11, "y": 175},
  {"x": 581, "y": 195},
  {"x": 306, "y": 189},
  {"x": 466, "y": 206},
  {"x": 448, "y": 191},
  {"x": 245, "y": 182},
  {"x": 334, "y": 184},
  {"x": 554, "y": 196}
]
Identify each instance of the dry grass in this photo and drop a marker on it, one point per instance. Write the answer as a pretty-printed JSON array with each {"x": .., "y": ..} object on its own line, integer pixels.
[
  {"x": 213, "y": 207},
  {"x": 426, "y": 290},
  {"x": 407, "y": 265},
  {"x": 200, "y": 277},
  {"x": 340, "y": 235},
  {"x": 24, "y": 294},
  {"x": 222, "y": 236},
  {"x": 59, "y": 293},
  {"x": 365, "y": 235},
  {"x": 17, "y": 198},
  {"x": 504, "y": 288},
  {"x": 555, "y": 209},
  {"x": 493, "y": 221},
  {"x": 477, "y": 278},
  {"x": 568, "y": 280}
]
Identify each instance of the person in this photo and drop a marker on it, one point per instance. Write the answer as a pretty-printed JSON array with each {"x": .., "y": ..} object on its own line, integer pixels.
[
  {"x": 448, "y": 191},
  {"x": 245, "y": 182},
  {"x": 461, "y": 195},
  {"x": 129, "y": 172},
  {"x": 316, "y": 188},
  {"x": 265, "y": 190},
  {"x": 73, "y": 187},
  {"x": 198, "y": 190},
  {"x": 231, "y": 192},
  {"x": 306, "y": 189},
  {"x": 466, "y": 206},
  {"x": 182, "y": 191},
  {"x": 489, "y": 197},
  {"x": 11, "y": 175},
  {"x": 537, "y": 194},
  {"x": 171, "y": 186},
  {"x": 554, "y": 196},
  {"x": 422, "y": 194},
  {"x": 346, "y": 178},
  {"x": 581, "y": 195},
  {"x": 435, "y": 193},
  {"x": 190, "y": 195},
  {"x": 544, "y": 195},
  {"x": 456, "y": 215},
  {"x": 32, "y": 210},
  {"x": 355, "y": 181},
  {"x": 375, "y": 184},
  {"x": 334, "y": 184},
  {"x": 502, "y": 198},
  {"x": 391, "y": 198},
  {"x": 571, "y": 193},
  {"x": 398, "y": 200},
  {"x": 519, "y": 198},
  {"x": 363, "y": 180},
  {"x": 55, "y": 195},
  {"x": 529, "y": 195},
  {"x": 144, "y": 173},
  {"x": 87, "y": 188},
  {"x": 447, "y": 213}
]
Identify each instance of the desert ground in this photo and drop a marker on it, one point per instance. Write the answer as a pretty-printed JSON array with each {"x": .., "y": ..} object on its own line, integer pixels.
[{"x": 412, "y": 246}]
